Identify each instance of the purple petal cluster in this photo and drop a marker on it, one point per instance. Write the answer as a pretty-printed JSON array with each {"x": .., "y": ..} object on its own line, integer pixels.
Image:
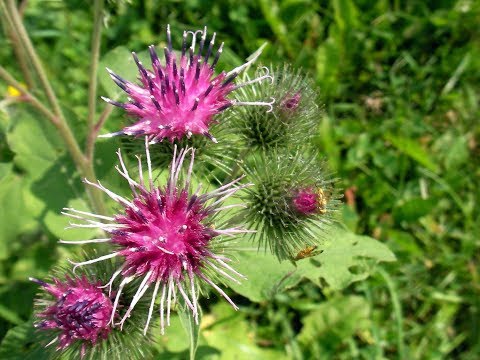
[
  {"x": 80, "y": 311},
  {"x": 180, "y": 97},
  {"x": 309, "y": 201},
  {"x": 165, "y": 236}
]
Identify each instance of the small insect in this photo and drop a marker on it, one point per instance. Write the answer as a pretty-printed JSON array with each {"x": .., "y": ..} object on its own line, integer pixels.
[{"x": 309, "y": 251}]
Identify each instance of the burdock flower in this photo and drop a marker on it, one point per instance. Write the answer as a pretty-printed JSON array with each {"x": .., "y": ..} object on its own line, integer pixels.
[
  {"x": 166, "y": 237},
  {"x": 309, "y": 201},
  {"x": 180, "y": 97},
  {"x": 79, "y": 312},
  {"x": 292, "y": 196},
  {"x": 294, "y": 117}
]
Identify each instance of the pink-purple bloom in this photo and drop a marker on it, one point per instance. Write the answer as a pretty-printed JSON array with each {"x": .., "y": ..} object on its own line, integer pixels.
[
  {"x": 80, "y": 311},
  {"x": 180, "y": 97},
  {"x": 166, "y": 236},
  {"x": 291, "y": 102},
  {"x": 309, "y": 201}
]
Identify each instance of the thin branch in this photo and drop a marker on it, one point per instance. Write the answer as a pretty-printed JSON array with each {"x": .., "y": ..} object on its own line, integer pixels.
[
  {"x": 18, "y": 49},
  {"x": 84, "y": 166},
  {"x": 22, "y": 32},
  {"x": 92, "y": 89},
  {"x": 9, "y": 79},
  {"x": 92, "y": 135}
]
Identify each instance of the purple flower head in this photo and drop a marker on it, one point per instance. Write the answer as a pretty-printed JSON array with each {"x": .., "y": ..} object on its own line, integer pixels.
[
  {"x": 290, "y": 103},
  {"x": 165, "y": 236},
  {"x": 309, "y": 201},
  {"x": 180, "y": 97},
  {"x": 80, "y": 312}
]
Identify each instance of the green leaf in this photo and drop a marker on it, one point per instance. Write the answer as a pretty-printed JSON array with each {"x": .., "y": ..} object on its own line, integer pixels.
[
  {"x": 191, "y": 328},
  {"x": 412, "y": 149},
  {"x": 413, "y": 209},
  {"x": 344, "y": 258},
  {"x": 15, "y": 218},
  {"x": 329, "y": 325},
  {"x": 345, "y": 14},
  {"x": 230, "y": 332}
]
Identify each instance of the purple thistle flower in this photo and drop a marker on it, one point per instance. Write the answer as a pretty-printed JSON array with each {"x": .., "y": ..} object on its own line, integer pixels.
[
  {"x": 181, "y": 97},
  {"x": 290, "y": 103},
  {"x": 310, "y": 201},
  {"x": 80, "y": 312},
  {"x": 165, "y": 235}
]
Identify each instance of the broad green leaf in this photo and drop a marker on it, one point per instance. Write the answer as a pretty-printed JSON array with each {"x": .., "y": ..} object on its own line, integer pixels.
[
  {"x": 412, "y": 149},
  {"x": 191, "y": 328},
  {"x": 344, "y": 258},
  {"x": 13, "y": 212},
  {"x": 35, "y": 143},
  {"x": 334, "y": 321},
  {"x": 230, "y": 332}
]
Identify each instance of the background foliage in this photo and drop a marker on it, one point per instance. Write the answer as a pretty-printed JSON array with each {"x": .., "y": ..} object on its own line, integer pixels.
[{"x": 400, "y": 83}]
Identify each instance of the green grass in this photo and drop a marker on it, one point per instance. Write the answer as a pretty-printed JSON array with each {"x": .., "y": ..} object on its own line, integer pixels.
[{"x": 400, "y": 85}]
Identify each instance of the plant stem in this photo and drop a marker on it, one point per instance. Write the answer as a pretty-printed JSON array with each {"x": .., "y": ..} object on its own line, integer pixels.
[
  {"x": 17, "y": 47},
  {"x": 92, "y": 89},
  {"x": 84, "y": 165},
  {"x": 9, "y": 79},
  {"x": 22, "y": 32}
]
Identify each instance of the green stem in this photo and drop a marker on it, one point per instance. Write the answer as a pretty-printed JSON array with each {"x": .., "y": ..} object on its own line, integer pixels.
[
  {"x": 92, "y": 90},
  {"x": 84, "y": 165},
  {"x": 17, "y": 47},
  {"x": 397, "y": 310},
  {"x": 9, "y": 79},
  {"x": 37, "y": 64}
]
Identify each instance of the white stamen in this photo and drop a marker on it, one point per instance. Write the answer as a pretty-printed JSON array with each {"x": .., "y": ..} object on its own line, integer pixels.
[
  {"x": 84, "y": 241},
  {"x": 258, "y": 79},
  {"x": 240, "y": 68},
  {"x": 140, "y": 170},
  {"x": 138, "y": 295},
  {"x": 149, "y": 164},
  {"x": 125, "y": 173},
  {"x": 101, "y": 258},
  {"x": 221, "y": 271},
  {"x": 185, "y": 297},
  {"x": 190, "y": 169},
  {"x": 112, "y": 195},
  {"x": 117, "y": 298},
  {"x": 52, "y": 342},
  {"x": 229, "y": 207},
  {"x": 220, "y": 291},
  {"x": 162, "y": 312},
  {"x": 169, "y": 298},
  {"x": 152, "y": 304},
  {"x": 112, "y": 279},
  {"x": 255, "y": 103},
  {"x": 194, "y": 295},
  {"x": 89, "y": 214},
  {"x": 226, "y": 266}
]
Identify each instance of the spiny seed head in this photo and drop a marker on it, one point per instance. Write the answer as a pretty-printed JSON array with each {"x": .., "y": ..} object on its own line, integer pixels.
[
  {"x": 294, "y": 116},
  {"x": 180, "y": 97},
  {"x": 78, "y": 311},
  {"x": 291, "y": 195},
  {"x": 166, "y": 237}
]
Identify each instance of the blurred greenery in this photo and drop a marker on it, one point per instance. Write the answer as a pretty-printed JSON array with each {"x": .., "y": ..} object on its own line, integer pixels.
[{"x": 400, "y": 84}]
